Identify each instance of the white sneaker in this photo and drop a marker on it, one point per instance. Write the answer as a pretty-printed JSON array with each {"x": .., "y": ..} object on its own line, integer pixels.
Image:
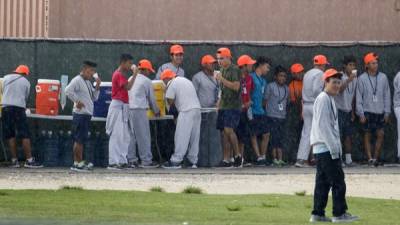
[
  {"x": 345, "y": 218},
  {"x": 316, "y": 218}
]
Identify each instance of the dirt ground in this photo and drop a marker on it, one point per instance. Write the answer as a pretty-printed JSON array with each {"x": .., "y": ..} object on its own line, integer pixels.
[{"x": 382, "y": 182}]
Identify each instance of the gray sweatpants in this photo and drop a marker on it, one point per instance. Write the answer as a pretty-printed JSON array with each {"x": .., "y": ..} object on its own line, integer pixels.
[
  {"x": 187, "y": 136},
  {"x": 304, "y": 146},
  {"x": 140, "y": 127}
]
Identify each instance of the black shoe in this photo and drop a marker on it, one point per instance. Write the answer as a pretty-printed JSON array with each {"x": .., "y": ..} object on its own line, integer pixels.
[
  {"x": 225, "y": 164},
  {"x": 189, "y": 165},
  {"x": 133, "y": 165},
  {"x": 261, "y": 162},
  {"x": 171, "y": 165},
  {"x": 238, "y": 162},
  {"x": 32, "y": 164}
]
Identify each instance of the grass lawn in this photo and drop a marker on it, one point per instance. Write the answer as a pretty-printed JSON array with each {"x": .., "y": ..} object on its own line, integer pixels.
[{"x": 130, "y": 207}]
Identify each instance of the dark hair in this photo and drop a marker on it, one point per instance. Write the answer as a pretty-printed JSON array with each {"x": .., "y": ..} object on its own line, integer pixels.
[
  {"x": 279, "y": 69},
  {"x": 349, "y": 59},
  {"x": 336, "y": 76},
  {"x": 261, "y": 61},
  {"x": 88, "y": 63},
  {"x": 125, "y": 57}
]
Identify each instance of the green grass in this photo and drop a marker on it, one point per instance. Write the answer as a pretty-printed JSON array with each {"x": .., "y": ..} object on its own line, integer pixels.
[
  {"x": 192, "y": 190},
  {"x": 77, "y": 206},
  {"x": 157, "y": 189}
]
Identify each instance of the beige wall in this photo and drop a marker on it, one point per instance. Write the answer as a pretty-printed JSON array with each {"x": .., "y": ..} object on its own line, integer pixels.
[
  {"x": 24, "y": 18},
  {"x": 239, "y": 20}
]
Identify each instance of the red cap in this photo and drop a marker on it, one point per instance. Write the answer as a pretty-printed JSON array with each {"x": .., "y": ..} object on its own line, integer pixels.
[
  {"x": 224, "y": 52},
  {"x": 320, "y": 60},
  {"x": 176, "y": 49},
  {"x": 145, "y": 64},
  {"x": 370, "y": 57},
  {"x": 329, "y": 73},
  {"x": 296, "y": 68},
  {"x": 22, "y": 69},
  {"x": 245, "y": 60},
  {"x": 207, "y": 59},
  {"x": 167, "y": 74}
]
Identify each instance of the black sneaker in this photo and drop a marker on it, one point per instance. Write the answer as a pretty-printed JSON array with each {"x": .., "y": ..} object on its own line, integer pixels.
[
  {"x": 151, "y": 165},
  {"x": 238, "y": 162},
  {"x": 261, "y": 162},
  {"x": 171, "y": 165},
  {"x": 225, "y": 164},
  {"x": 132, "y": 165},
  {"x": 189, "y": 165},
  {"x": 32, "y": 164}
]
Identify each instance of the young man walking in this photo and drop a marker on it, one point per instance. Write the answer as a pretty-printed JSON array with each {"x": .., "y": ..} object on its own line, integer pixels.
[{"x": 327, "y": 148}]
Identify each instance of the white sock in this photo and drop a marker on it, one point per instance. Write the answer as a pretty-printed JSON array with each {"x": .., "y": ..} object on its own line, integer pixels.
[
  {"x": 14, "y": 160},
  {"x": 348, "y": 158},
  {"x": 75, "y": 163},
  {"x": 30, "y": 160}
]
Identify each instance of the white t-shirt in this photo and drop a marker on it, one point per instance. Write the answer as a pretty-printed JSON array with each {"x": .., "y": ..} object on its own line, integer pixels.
[{"x": 184, "y": 94}]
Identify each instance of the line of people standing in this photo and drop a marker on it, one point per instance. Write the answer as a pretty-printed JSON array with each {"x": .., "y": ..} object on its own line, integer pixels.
[{"x": 249, "y": 109}]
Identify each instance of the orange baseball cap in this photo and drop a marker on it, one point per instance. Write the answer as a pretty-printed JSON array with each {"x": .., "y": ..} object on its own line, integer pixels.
[
  {"x": 296, "y": 68},
  {"x": 22, "y": 69},
  {"x": 329, "y": 73},
  {"x": 224, "y": 52},
  {"x": 167, "y": 74},
  {"x": 208, "y": 59},
  {"x": 320, "y": 60},
  {"x": 146, "y": 64},
  {"x": 176, "y": 49},
  {"x": 245, "y": 60},
  {"x": 370, "y": 57}
]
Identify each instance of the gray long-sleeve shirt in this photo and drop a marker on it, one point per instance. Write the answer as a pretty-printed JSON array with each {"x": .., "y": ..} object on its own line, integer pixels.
[
  {"x": 344, "y": 100},
  {"x": 277, "y": 98},
  {"x": 206, "y": 88},
  {"x": 367, "y": 86},
  {"x": 15, "y": 90},
  {"x": 312, "y": 85},
  {"x": 141, "y": 95},
  {"x": 325, "y": 126},
  {"x": 396, "y": 94},
  {"x": 82, "y": 90}
]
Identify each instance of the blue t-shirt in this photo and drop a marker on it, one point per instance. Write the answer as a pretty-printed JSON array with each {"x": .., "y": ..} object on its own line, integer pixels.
[{"x": 257, "y": 95}]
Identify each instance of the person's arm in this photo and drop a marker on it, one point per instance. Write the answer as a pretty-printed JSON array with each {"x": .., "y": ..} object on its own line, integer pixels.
[
  {"x": 347, "y": 82},
  {"x": 267, "y": 95},
  {"x": 131, "y": 81},
  {"x": 170, "y": 101},
  {"x": 96, "y": 92},
  {"x": 318, "y": 85},
  {"x": 323, "y": 115},
  {"x": 233, "y": 85},
  {"x": 396, "y": 93},
  {"x": 359, "y": 101},
  {"x": 170, "y": 93},
  {"x": 387, "y": 106},
  {"x": 71, "y": 90},
  {"x": 196, "y": 84},
  {"x": 152, "y": 100}
]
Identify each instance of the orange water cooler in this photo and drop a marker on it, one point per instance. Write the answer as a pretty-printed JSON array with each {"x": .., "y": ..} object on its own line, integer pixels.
[{"x": 47, "y": 97}]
